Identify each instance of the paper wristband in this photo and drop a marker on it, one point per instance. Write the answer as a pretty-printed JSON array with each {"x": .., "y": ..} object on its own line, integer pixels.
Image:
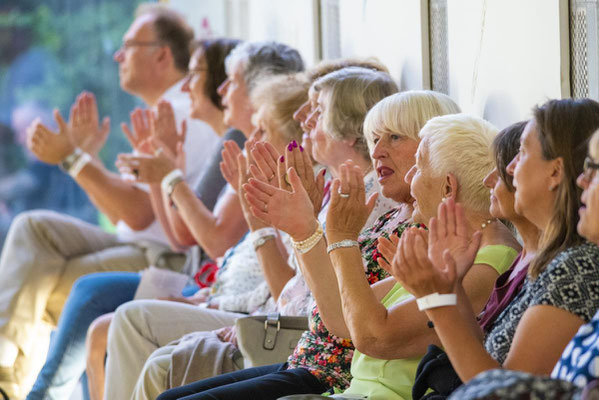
[
  {"x": 262, "y": 232},
  {"x": 169, "y": 178},
  {"x": 79, "y": 163},
  {"x": 435, "y": 300}
]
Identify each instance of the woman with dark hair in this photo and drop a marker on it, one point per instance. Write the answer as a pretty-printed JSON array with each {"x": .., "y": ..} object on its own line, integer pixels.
[
  {"x": 559, "y": 291},
  {"x": 95, "y": 295}
]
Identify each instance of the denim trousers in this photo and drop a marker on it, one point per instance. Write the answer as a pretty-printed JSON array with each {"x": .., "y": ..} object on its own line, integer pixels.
[
  {"x": 265, "y": 383},
  {"x": 92, "y": 296}
]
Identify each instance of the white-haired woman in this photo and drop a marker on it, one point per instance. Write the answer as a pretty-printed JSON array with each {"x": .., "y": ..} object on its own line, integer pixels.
[{"x": 325, "y": 356}]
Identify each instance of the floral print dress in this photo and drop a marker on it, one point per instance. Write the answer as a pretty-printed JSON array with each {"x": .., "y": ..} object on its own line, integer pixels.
[{"x": 329, "y": 357}]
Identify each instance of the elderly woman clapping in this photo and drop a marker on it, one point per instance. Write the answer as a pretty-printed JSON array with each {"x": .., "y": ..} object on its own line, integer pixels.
[{"x": 381, "y": 319}]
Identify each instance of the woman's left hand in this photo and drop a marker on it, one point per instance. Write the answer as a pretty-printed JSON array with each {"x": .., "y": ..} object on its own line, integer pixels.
[
  {"x": 413, "y": 269},
  {"x": 150, "y": 168},
  {"x": 348, "y": 209}
]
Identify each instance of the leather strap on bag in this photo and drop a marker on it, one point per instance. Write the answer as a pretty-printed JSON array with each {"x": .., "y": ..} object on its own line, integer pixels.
[{"x": 272, "y": 326}]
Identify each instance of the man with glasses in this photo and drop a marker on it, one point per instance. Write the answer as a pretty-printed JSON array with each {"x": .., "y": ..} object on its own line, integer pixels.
[{"x": 46, "y": 252}]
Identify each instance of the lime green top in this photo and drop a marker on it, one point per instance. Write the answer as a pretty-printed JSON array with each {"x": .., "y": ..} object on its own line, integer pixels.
[{"x": 393, "y": 379}]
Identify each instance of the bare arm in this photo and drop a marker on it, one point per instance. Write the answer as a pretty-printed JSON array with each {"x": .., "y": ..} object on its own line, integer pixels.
[
  {"x": 531, "y": 350},
  {"x": 217, "y": 232},
  {"x": 120, "y": 200}
]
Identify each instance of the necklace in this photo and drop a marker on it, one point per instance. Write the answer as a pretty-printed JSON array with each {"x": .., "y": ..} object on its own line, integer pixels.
[{"x": 486, "y": 223}]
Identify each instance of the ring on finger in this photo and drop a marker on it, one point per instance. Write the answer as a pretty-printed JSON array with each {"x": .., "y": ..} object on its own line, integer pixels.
[
  {"x": 272, "y": 177},
  {"x": 343, "y": 195},
  {"x": 266, "y": 207}
]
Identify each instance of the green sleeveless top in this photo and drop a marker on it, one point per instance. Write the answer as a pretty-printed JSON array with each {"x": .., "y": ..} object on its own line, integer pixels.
[{"x": 393, "y": 379}]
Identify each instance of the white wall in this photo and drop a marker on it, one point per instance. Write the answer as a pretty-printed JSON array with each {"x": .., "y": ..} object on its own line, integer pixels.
[
  {"x": 206, "y": 17},
  {"x": 394, "y": 31},
  {"x": 506, "y": 56}
]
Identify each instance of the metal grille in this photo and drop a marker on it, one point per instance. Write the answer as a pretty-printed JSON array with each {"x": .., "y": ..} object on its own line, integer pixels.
[
  {"x": 331, "y": 37},
  {"x": 438, "y": 45},
  {"x": 584, "y": 48},
  {"x": 578, "y": 43}
]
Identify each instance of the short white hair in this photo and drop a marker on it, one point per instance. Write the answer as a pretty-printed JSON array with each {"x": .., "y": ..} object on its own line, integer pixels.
[
  {"x": 461, "y": 144},
  {"x": 406, "y": 113}
]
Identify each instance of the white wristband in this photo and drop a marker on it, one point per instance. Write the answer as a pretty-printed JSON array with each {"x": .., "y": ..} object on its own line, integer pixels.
[
  {"x": 262, "y": 232},
  {"x": 435, "y": 300},
  {"x": 79, "y": 163},
  {"x": 169, "y": 178}
]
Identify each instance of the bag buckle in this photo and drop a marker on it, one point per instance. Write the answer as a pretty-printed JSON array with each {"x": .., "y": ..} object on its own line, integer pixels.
[{"x": 272, "y": 326}]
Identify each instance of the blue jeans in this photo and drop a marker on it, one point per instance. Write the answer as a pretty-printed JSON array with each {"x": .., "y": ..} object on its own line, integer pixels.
[
  {"x": 266, "y": 383},
  {"x": 92, "y": 296}
]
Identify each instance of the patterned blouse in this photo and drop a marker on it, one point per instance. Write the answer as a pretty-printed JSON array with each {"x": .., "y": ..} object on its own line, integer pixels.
[
  {"x": 329, "y": 357},
  {"x": 570, "y": 282}
]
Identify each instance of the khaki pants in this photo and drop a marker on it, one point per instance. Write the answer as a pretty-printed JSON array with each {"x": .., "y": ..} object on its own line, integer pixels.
[
  {"x": 141, "y": 327},
  {"x": 44, "y": 254}
]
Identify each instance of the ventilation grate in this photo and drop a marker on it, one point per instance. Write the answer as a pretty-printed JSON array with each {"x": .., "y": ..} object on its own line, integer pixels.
[
  {"x": 584, "y": 48},
  {"x": 579, "y": 57},
  {"x": 438, "y": 45}
]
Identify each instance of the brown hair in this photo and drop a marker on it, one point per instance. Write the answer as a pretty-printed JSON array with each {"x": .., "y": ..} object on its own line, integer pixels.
[
  {"x": 505, "y": 148},
  {"x": 564, "y": 128},
  {"x": 282, "y": 95},
  {"x": 214, "y": 51},
  {"x": 327, "y": 66},
  {"x": 171, "y": 30}
]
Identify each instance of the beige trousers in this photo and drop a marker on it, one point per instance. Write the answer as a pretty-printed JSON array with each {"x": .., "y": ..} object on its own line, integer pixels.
[
  {"x": 44, "y": 254},
  {"x": 141, "y": 327}
]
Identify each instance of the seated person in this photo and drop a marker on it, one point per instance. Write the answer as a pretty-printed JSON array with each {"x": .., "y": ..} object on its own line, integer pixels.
[
  {"x": 96, "y": 294},
  {"x": 312, "y": 368},
  {"x": 45, "y": 252},
  {"x": 552, "y": 150}
]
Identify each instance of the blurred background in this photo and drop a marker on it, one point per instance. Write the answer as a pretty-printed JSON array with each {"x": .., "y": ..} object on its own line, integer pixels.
[{"x": 495, "y": 58}]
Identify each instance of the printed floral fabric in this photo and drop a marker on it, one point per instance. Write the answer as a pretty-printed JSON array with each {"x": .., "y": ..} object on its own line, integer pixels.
[{"x": 329, "y": 357}]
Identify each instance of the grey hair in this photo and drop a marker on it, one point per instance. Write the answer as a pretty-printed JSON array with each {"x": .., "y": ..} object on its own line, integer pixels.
[
  {"x": 350, "y": 92},
  {"x": 261, "y": 60}
]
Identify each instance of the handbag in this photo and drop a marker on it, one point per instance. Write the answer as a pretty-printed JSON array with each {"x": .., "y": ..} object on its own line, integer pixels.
[
  {"x": 268, "y": 339},
  {"x": 435, "y": 372}
]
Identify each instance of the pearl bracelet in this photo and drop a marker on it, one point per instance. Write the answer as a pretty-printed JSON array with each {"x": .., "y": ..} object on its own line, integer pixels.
[
  {"x": 435, "y": 300},
  {"x": 304, "y": 246}
]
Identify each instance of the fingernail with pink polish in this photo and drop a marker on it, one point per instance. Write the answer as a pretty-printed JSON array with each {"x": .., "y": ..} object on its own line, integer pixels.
[
  {"x": 290, "y": 147},
  {"x": 301, "y": 148},
  {"x": 324, "y": 172},
  {"x": 294, "y": 143},
  {"x": 282, "y": 159}
]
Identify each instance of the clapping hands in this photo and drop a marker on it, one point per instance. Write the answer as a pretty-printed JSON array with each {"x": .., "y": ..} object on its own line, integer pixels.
[
  {"x": 85, "y": 131},
  {"x": 436, "y": 262},
  {"x": 349, "y": 209}
]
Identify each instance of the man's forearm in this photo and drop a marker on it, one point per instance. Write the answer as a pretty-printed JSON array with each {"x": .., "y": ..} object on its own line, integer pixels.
[{"x": 118, "y": 199}]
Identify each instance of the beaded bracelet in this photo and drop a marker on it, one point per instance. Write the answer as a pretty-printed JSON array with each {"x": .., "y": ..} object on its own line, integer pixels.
[
  {"x": 304, "y": 246},
  {"x": 342, "y": 244}
]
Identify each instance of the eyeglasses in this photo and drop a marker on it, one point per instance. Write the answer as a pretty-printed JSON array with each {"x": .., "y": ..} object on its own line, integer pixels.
[
  {"x": 196, "y": 71},
  {"x": 134, "y": 43},
  {"x": 589, "y": 167}
]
